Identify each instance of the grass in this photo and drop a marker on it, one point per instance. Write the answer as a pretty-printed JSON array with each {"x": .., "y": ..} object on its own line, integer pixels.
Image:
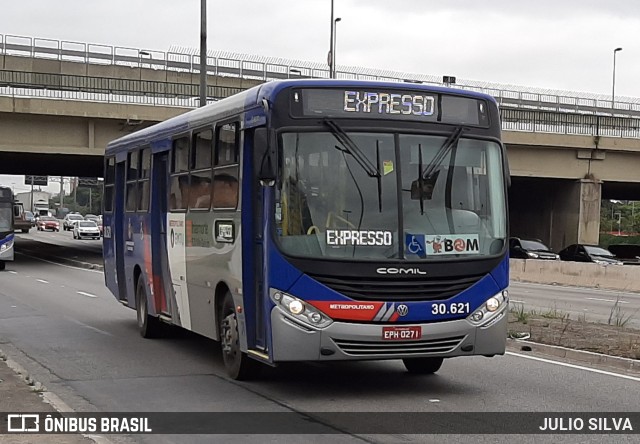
[
  {"x": 554, "y": 313},
  {"x": 520, "y": 313},
  {"x": 617, "y": 316}
]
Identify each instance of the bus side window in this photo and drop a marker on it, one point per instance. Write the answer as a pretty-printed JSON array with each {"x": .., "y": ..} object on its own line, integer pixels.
[
  {"x": 226, "y": 170},
  {"x": 179, "y": 181}
]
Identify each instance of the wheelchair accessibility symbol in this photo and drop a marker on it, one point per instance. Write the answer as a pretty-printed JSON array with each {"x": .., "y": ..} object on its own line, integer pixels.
[{"x": 415, "y": 244}]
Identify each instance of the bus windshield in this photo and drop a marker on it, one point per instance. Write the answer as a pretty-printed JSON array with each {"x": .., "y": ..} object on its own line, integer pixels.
[
  {"x": 6, "y": 213},
  {"x": 390, "y": 195}
]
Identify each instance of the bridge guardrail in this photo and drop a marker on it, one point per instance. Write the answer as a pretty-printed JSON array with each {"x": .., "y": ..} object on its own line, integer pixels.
[
  {"x": 264, "y": 69},
  {"x": 572, "y": 124},
  {"x": 146, "y": 92},
  {"x": 106, "y": 89}
]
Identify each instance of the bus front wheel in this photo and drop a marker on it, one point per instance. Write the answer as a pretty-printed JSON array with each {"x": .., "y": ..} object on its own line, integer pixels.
[
  {"x": 238, "y": 365},
  {"x": 2, "y": 265},
  {"x": 423, "y": 366},
  {"x": 148, "y": 325}
]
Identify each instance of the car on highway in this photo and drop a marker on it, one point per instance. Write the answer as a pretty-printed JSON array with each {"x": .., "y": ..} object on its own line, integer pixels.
[
  {"x": 530, "y": 249},
  {"x": 30, "y": 217},
  {"x": 48, "y": 223},
  {"x": 85, "y": 229},
  {"x": 70, "y": 220},
  {"x": 92, "y": 217},
  {"x": 589, "y": 253},
  {"x": 629, "y": 254}
]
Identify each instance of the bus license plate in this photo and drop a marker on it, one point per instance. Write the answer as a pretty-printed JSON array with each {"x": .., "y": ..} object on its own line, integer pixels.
[{"x": 401, "y": 333}]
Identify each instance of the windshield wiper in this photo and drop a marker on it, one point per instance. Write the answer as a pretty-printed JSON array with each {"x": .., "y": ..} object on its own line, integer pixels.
[
  {"x": 351, "y": 148},
  {"x": 451, "y": 141}
]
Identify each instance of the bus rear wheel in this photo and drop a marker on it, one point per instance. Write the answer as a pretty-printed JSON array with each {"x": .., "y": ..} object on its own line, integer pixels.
[
  {"x": 423, "y": 366},
  {"x": 237, "y": 364},
  {"x": 148, "y": 325}
]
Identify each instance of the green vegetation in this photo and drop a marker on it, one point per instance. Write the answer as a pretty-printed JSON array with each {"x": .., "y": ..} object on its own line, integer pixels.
[
  {"x": 520, "y": 314},
  {"x": 619, "y": 216},
  {"x": 617, "y": 316}
]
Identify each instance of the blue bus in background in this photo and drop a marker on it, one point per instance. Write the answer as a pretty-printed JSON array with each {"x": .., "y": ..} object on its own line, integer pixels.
[
  {"x": 6, "y": 226},
  {"x": 317, "y": 220}
]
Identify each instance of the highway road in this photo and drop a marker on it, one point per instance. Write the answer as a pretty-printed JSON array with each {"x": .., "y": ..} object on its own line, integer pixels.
[
  {"x": 590, "y": 304},
  {"x": 69, "y": 332}
]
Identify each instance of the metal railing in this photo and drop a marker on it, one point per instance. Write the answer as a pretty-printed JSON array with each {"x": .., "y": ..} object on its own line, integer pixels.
[
  {"x": 570, "y": 124},
  {"x": 145, "y": 92},
  {"x": 106, "y": 89},
  {"x": 261, "y": 68}
]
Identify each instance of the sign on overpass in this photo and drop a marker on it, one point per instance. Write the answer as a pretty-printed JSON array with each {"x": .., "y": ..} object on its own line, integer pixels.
[{"x": 36, "y": 180}]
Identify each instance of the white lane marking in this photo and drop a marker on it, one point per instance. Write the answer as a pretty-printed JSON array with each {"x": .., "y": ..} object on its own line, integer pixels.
[
  {"x": 13, "y": 272},
  {"x": 517, "y": 302},
  {"x": 607, "y": 300},
  {"x": 86, "y": 294},
  {"x": 579, "y": 367},
  {"x": 43, "y": 281},
  {"x": 90, "y": 327},
  {"x": 61, "y": 265}
]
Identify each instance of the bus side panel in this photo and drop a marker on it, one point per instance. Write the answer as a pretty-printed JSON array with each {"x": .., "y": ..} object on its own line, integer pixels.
[{"x": 137, "y": 257}]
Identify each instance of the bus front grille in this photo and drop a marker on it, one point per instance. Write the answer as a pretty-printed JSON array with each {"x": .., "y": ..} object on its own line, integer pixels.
[
  {"x": 397, "y": 289},
  {"x": 393, "y": 348}
]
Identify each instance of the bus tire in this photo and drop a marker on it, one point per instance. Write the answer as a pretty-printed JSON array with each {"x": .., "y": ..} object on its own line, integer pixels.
[
  {"x": 238, "y": 365},
  {"x": 423, "y": 366},
  {"x": 148, "y": 325},
  {"x": 2, "y": 265}
]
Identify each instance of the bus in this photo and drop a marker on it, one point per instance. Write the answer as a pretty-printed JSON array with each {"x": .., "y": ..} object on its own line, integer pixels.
[
  {"x": 317, "y": 220},
  {"x": 6, "y": 226}
]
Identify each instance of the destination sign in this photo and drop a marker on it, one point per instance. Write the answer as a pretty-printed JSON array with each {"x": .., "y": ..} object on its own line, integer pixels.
[{"x": 372, "y": 103}]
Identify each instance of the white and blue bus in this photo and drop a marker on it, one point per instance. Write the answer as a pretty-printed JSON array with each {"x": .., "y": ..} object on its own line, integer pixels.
[
  {"x": 317, "y": 220},
  {"x": 6, "y": 226}
]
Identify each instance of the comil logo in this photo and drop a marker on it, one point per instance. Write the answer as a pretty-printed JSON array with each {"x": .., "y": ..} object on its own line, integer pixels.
[
  {"x": 23, "y": 423},
  {"x": 393, "y": 270}
]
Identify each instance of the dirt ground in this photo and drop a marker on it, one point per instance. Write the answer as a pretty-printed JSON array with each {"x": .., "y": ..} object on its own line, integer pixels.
[{"x": 556, "y": 329}]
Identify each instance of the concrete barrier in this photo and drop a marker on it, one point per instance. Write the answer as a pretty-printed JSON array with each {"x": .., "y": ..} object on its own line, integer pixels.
[{"x": 614, "y": 277}]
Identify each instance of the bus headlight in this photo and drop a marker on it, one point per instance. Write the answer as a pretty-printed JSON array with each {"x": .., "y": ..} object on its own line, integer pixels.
[
  {"x": 300, "y": 310},
  {"x": 6, "y": 246},
  {"x": 490, "y": 308}
]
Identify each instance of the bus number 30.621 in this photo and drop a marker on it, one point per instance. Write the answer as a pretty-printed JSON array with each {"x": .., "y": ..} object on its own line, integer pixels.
[{"x": 451, "y": 308}]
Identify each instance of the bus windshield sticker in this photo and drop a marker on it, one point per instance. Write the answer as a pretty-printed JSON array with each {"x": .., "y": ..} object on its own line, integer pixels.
[
  {"x": 415, "y": 244},
  {"x": 343, "y": 238},
  {"x": 440, "y": 244},
  {"x": 387, "y": 167}
]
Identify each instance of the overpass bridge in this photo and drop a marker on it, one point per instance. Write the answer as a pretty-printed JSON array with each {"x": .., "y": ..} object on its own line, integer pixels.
[{"x": 61, "y": 102}]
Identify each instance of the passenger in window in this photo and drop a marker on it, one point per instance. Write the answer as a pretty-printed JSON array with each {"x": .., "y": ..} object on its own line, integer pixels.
[
  {"x": 200, "y": 192},
  {"x": 225, "y": 191}
]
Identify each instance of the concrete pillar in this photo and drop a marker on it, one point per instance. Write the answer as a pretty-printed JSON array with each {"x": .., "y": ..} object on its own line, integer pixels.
[
  {"x": 576, "y": 214},
  {"x": 589, "y": 223}
]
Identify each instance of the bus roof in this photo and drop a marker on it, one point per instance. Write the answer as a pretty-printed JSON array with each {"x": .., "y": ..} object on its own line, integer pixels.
[{"x": 252, "y": 98}]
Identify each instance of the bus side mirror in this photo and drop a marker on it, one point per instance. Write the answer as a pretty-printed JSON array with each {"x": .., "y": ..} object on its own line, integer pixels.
[{"x": 265, "y": 144}]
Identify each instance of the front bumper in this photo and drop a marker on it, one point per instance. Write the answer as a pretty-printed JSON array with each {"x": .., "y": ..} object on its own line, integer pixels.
[
  {"x": 294, "y": 341},
  {"x": 89, "y": 234}
]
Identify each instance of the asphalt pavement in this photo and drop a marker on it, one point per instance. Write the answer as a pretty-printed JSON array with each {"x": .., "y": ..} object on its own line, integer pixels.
[
  {"x": 63, "y": 325},
  {"x": 19, "y": 393}
]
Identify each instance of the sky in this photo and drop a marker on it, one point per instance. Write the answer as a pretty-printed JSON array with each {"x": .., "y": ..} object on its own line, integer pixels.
[{"x": 565, "y": 45}]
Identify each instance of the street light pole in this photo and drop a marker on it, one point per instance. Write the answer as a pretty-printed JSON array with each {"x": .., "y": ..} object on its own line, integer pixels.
[
  {"x": 613, "y": 91},
  {"x": 203, "y": 52},
  {"x": 333, "y": 53},
  {"x": 330, "y": 55}
]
